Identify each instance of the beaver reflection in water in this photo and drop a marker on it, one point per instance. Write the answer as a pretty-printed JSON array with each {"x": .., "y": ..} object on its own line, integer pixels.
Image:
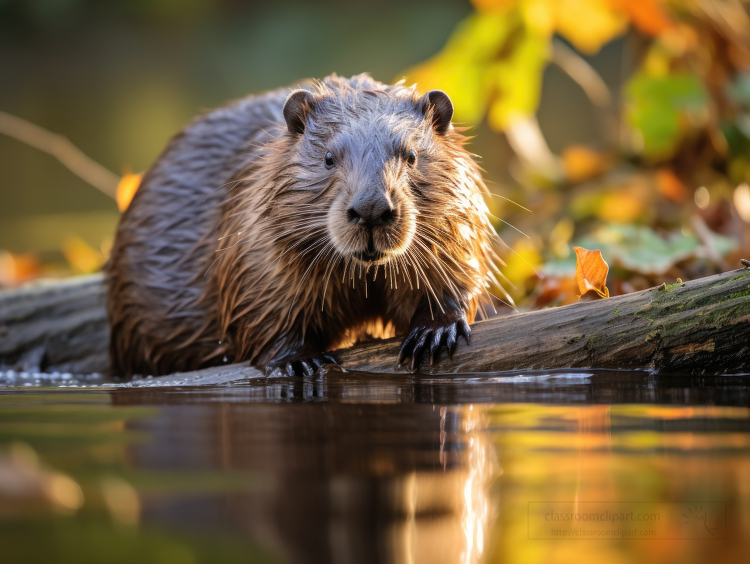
[{"x": 285, "y": 225}]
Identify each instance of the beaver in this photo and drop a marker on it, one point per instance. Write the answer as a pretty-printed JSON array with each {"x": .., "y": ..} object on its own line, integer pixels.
[{"x": 289, "y": 224}]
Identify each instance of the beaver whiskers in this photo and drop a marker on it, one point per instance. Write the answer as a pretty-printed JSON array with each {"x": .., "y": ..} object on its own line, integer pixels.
[{"x": 345, "y": 210}]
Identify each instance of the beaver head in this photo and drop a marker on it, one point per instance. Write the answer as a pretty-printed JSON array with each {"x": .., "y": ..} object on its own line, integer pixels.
[{"x": 372, "y": 153}]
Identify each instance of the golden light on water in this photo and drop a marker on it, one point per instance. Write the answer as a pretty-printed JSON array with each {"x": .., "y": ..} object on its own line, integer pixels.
[
  {"x": 121, "y": 500},
  {"x": 27, "y": 482},
  {"x": 64, "y": 491},
  {"x": 482, "y": 466}
]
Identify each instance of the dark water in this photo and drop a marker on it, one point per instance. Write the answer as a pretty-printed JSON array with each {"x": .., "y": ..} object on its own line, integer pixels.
[{"x": 606, "y": 466}]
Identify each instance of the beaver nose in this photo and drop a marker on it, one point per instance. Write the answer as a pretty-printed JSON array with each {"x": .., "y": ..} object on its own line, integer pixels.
[{"x": 371, "y": 209}]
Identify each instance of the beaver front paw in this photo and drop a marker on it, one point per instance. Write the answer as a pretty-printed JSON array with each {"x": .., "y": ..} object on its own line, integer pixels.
[
  {"x": 434, "y": 335},
  {"x": 302, "y": 365}
]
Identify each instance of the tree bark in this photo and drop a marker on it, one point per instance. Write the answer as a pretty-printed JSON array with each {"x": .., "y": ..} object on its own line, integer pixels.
[
  {"x": 55, "y": 326},
  {"x": 698, "y": 327}
]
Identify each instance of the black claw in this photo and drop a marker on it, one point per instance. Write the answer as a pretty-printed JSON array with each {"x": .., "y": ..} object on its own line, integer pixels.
[
  {"x": 433, "y": 334},
  {"x": 465, "y": 330},
  {"x": 405, "y": 353},
  {"x": 301, "y": 366},
  {"x": 437, "y": 337},
  {"x": 419, "y": 348},
  {"x": 307, "y": 370},
  {"x": 451, "y": 340},
  {"x": 414, "y": 365}
]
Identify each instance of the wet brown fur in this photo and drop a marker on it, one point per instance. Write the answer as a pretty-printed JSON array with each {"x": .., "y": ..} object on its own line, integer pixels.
[{"x": 237, "y": 248}]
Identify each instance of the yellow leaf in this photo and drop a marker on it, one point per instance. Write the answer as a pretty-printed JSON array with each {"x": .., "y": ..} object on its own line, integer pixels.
[
  {"x": 516, "y": 81},
  {"x": 540, "y": 15},
  {"x": 624, "y": 205},
  {"x": 589, "y": 24},
  {"x": 521, "y": 265},
  {"x": 591, "y": 272},
  {"x": 459, "y": 68},
  {"x": 126, "y": 189},
  {"x": 491, "y": 59},
  {"x": 582, "y": 163},
  {"x": 560, "y": 236},
  {"x": 81, "y": 256}
]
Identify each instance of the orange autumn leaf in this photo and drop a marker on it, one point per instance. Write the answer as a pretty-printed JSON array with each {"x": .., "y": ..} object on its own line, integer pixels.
[
  {"x": 591, "y": 272},
  {"x": 126, "y": 189},
  {"x": 582, "y": 163},
  {"x": 670, "y": 186},
  {"x": 622, "y": 206},
  {"x": 648, "y": 16},
  {"x": 492, "y": 5},
  {"x": 15, "y": 269}
]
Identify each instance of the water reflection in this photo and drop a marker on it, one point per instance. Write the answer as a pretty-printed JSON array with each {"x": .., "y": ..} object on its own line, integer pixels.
[
  {"x": 338, "y": 482},
  {"x": 364, "y": 468}
]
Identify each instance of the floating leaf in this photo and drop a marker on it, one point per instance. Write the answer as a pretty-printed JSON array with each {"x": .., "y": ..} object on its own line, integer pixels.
[
  {"x": 126, "y": 189},
  {"x": 591, "y": 272}
]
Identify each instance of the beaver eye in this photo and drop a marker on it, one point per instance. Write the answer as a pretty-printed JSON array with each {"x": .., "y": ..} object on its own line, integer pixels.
[
  {"x": 411, "y": 157},
  {"x": 329, "y": 159}
]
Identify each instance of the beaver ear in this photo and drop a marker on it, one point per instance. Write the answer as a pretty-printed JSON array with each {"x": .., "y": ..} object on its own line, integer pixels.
[
  {"x": 296, "y": 107},
  {"x": 442, "y": 109}
]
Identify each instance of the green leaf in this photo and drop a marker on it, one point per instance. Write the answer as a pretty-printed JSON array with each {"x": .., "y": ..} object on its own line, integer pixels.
[
  {"x": 739, "y": 89},
  {"x": 460, "y": 68},
  {"x": 640, "y": 249},
  {"x": 657, "y": 108},
  {"x": 516, "y": 80},
  {"x": 493, "y": 62}
]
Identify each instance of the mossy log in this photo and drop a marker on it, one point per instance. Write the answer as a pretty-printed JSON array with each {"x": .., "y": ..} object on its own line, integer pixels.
[{"x": 698, "y": 327}]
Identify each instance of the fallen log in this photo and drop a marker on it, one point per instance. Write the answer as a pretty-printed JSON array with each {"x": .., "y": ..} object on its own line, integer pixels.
[
  {"x": 55, "y": 326},
  {"x": 698, "y": 327}
]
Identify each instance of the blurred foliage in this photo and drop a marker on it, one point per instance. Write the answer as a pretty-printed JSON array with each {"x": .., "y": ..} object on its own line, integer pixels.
[
  {"x": 492, "y": 65},
  {"x": 663, "y": 193},
  {"x": 661, "y": 189},
  {"x": 126, "y": 189},
  {"x": 119, "y": 78}
]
